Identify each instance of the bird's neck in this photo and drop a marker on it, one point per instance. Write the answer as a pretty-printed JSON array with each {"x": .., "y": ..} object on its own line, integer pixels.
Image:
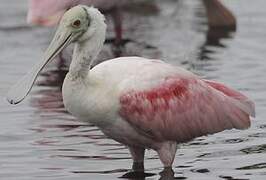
[{"x": 83, "y": 56}]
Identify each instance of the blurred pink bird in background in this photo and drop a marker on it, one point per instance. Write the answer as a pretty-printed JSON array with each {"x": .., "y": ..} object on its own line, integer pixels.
[{"x": 49, "y": 12}]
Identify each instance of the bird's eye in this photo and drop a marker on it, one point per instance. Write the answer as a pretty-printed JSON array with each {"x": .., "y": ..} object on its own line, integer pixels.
[{"x": 76, "y": 23}]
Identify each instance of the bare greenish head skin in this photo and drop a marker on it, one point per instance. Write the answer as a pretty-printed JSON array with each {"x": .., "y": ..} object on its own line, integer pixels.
[
  {"x": 76, "y": 21},
  {"x": 73, "y": 25}
]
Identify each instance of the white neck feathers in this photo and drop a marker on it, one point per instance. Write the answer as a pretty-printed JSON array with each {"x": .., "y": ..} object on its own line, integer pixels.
[{"x": 89, "y": 45}]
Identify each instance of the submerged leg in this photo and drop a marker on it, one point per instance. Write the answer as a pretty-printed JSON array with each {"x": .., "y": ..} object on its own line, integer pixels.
[
  {"x": 137, "y": 154},
  {"x": 167, "y": 174},
  {"x": 167, "y": 153},
  {"x": 137, "y": 172}
]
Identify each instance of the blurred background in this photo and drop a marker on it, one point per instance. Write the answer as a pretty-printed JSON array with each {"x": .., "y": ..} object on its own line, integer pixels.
[{"x": 40, "y": 140}]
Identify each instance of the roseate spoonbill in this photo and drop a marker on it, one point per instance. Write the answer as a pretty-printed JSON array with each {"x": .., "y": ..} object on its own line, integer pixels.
[{"x": 142, "y": 103}]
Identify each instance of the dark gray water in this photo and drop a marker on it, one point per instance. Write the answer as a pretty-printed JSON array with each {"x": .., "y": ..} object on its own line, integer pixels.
[{"x": 40, "y": 140}]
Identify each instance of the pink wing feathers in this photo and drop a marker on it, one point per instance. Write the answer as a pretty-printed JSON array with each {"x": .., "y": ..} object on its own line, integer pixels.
[{"x": 181, "y": 109}]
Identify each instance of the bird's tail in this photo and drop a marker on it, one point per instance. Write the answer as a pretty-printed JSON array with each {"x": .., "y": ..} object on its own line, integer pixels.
[{"x": 242, "y": 107}]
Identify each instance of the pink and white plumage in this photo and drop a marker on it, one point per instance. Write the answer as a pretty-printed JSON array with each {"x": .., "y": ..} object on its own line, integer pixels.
[
  {"x": 142, "y": 103},
  {"x": 153, "y": 104}
]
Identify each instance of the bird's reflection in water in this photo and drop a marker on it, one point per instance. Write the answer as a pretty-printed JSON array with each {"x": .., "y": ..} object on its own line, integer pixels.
[
  {"x": 214, "y": 37},
  {"x": 165, "y": 174},
  {"x": 137, "y": 175},
  {"x": 169, "y": 174}
]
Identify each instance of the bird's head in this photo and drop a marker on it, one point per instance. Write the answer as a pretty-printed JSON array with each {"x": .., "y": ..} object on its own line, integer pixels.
[{"x": 79, "y": 24}]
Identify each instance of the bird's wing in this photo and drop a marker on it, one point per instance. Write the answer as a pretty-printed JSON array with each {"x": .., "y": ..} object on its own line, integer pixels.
[{"x": 181, "y": 108}]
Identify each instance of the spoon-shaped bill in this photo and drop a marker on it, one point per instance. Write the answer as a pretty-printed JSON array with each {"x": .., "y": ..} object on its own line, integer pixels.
[{"x": 21, "y": 89}]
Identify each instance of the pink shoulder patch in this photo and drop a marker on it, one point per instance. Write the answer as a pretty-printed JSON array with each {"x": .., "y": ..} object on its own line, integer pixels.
[
  {"x": 157, "y": 98},
  {"x": 154, "y": 111}
]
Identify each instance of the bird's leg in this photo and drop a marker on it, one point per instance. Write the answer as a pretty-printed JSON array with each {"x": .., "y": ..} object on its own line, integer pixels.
[
  {"x": 167, "y": 153},
  {"x": 137, "y": 154},
  {"x": 117, "y": 18}
]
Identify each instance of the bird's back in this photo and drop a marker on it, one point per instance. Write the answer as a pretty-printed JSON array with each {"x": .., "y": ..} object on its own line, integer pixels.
[{"x": 137, "y": 73}]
